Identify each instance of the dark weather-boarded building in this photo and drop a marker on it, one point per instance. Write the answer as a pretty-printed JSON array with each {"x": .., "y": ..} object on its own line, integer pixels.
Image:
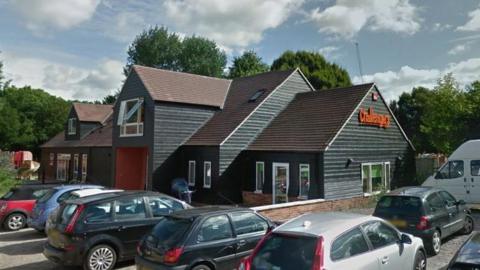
[{"x": 258, "y": 139}]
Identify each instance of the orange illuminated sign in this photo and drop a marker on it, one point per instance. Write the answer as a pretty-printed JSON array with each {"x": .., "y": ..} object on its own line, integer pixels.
[{"x": 370, "y": 118}]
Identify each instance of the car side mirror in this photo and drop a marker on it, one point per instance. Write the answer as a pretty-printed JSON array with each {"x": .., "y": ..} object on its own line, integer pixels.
[
  {"x": 461, "y": 202},
  {"x": 405, "y": 239}
]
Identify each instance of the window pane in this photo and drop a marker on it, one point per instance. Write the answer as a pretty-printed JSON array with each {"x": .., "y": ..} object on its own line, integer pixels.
[
  {"x": 248, "y": 223},
  {"x": 349, "y": 244},
  {"x": 475, "y": 167},
  {"x": 387, "y": 175},
  {"x": 366, "y": 178},
  {"x": 207, "y": 174},
  {"x": 448, "y": 197},
  {"x": 191, "y": 173},
  {"x": 161, "y": 206},
  {"x": 260, "y": 171},
  {"x": 98, "y": 213},
  {"x": 456, "y": 168},
  {"x": 435, "y": 201},
  {"x": 215, "y": 228},
  {"x": 377, "y": 177},
  {"x": 304, "y": 180},
  {"x": 130, "y": 208},
  {"x": 380, "y": 234}
]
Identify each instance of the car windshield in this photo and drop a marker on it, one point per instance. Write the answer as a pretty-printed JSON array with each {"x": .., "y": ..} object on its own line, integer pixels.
[
  {"x": 47, "y": 196},
  {"x": 281, "y": 251},
  {"x": 169, "y": 231},
  {"x": 404, "y": 204}
]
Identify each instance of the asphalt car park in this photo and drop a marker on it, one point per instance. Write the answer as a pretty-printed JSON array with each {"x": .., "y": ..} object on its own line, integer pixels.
[{"x": 23, "y": 250}]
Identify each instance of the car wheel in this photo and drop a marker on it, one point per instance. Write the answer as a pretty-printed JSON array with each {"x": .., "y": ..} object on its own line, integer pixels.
[
  {"x": 14, "y": 222},
  {"x": 468, "y": 225},
  {"x": 201, "y": 267},
  {"x": 434, "y": 243},
  {"x": 101, "y": 257},
  {"x": 420, "y": 261}
]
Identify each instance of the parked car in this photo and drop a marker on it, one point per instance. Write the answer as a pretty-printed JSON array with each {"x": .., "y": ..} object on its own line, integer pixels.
[
  {"x": 336, "y": 241},
  {"x": 429, "y": 213},
  {"x": 48, "y": 202},
  {"x": 17, "y": 204},
  {"x": 99, "y": 230},
  {"x": 467, "y": 257},
  {"x": 461, "y": 174},
  {"x": 204, "y": 238}
]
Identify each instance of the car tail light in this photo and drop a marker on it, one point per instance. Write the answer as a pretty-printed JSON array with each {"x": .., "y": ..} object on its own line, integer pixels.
[
  {"x": 139, "y": 249},
  {"x": 73, "y": 220},
  {"x": 172, "y": 255},
  {"x": 423, "y": 224},
  {"x": 319, "y": 256}
]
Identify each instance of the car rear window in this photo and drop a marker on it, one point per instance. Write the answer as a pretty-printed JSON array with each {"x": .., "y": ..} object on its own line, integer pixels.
[
  {"x": 47, "y": 196},
  {"x": 67, "y": 213},
  {"x": 169, "y": 231},
  {"x": 285, "y": 252},
  {"x": 400, "y": 204}
]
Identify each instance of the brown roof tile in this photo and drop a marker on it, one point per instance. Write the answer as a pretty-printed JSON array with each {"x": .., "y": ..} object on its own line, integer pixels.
[
  {"x": 237, "y": 107},
  {"x": 92, "y": 112},
  {"x": 311, "y": 120},
  {"x": 171, "y": 86},
  {"x": 100, "y": 137}
]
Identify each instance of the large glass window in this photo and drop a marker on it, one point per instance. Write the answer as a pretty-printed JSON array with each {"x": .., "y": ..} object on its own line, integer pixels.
[
  {"x": 131, "y": 208},
  {"x": 375, "y": 177},
  {"x": 63, "y": 162},
  {"x": 380, "y": 234},
  {"x": 246, "y": 222},
  {"x": 72, "y": 126},
  {"x": 207, "y": 174},
  {"x": 131, "y": 117},
  {"x": 475, "y": 167},
  {"x": 215, "y": 228},
  {"x": 452, "y": 169},
  {"x": 304, "y": 180},
  {"x": 348, "y": 245},
  {"x": 75, "y": 166},
  {"x": 84, "y": 167},
  {"x": 191, "y": 173},
  {"x": 259, "y": 176}
]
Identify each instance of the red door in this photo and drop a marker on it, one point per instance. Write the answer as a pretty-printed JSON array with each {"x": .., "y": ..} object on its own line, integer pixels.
[{"x": 131, "y": 168}]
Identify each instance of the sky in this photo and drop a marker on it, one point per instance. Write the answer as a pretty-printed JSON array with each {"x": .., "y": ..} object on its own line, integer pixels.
[{"x": 76, "y": 48}]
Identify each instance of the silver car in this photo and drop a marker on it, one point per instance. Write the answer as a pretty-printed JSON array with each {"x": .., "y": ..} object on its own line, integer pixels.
[{"x": 333, "y": 240}]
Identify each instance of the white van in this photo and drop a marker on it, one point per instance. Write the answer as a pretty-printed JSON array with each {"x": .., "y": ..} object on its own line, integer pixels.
[{"x": 461, "y": 174}]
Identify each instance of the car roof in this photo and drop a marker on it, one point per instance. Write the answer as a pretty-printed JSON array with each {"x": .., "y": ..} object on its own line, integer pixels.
[
  {"x": 325, "y": 223},
  {"x": 421, "y": 191},
  {"x": 208, "y": 210},
  {"x": 469, "y": 252},
  {"x": 76, "y": 186},
  {"x": 93, "y": 191},
  {"x": 115, "y": 195}
]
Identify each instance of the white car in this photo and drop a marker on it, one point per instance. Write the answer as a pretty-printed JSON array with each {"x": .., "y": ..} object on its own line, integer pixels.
[{"x": 337, "y": 241}]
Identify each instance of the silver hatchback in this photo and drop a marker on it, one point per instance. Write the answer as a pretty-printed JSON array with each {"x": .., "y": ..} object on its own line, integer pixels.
[{"x": 336, "y": 241}]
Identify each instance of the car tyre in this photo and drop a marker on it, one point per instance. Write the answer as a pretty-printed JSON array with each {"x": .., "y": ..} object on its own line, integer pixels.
[
  {"x": 468, "y": 226},
  {"x": 100, "y": 257},
  {"x": 201, "y": 267},
  {"x": 434, "y": 243},
  {"x": 15, "y": 222},
  {"x": 420, "y": 261}
]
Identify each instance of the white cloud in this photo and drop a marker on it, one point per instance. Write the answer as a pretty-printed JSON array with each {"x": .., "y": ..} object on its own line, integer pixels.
[
  {"x": 329, "y": 51},
  {"x": 347, "y": 18},
  {"x": 438, "y": 27},
  {"x": 474, "y": 21},
  {"x": 394, "y": 83},
  {"x": 232, "y": 24},
  {"x": 460, "y": 48},
  {"x": 64, "y": 80},
  {"x": 42, "y": 15}
]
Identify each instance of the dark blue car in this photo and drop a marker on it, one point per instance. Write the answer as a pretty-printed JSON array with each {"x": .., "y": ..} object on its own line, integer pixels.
[{"x": 46, "y": 204}]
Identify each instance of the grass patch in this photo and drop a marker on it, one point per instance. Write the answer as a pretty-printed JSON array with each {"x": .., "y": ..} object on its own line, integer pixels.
[{"x": 7, "y": 173}]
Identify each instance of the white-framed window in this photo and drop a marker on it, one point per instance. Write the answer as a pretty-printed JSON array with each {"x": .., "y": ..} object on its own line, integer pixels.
[
  {"x": 207, "y": 174},
  {"x": 131, "y": 117},
  {"x": 375, "y": 177},
  {"x": 75, "y": 166},
  {"x": 63, "y": 163},
  {"x": 84, "y": 166},
  {"x": 72, "y": 126},
  {"x": 191, "y": 172},
  {"x": 303, "y": 180},
  {"x": 259, "y": 176}
]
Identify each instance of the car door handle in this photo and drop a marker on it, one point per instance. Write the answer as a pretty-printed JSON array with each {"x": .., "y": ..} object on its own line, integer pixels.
[
  {"x": 385, "y": 260},
  {"x": 241, "y": 243},
  {"x": 121, "y": 228}
]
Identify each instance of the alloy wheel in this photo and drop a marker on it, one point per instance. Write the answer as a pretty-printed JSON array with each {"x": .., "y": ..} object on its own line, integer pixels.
[
  {"x": 468, "y": 226},
  {"x": 101, "y": 258},
  {"x": 16, "y": 222},
  {"x": 421, "y": 263},
  {"x": 436, "y": 242}
]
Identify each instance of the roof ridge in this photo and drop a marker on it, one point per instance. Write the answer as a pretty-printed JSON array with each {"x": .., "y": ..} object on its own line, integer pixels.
[
  {"x": 267, "y": 72},
  {"x": 181, "y": 72}
]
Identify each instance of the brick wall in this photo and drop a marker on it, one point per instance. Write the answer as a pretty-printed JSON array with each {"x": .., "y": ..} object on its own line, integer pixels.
[
  {"x": 291, "y": 210},
  {"x": 256, "y": 199}
]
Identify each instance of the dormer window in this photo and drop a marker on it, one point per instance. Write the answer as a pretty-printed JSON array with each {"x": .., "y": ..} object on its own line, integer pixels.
[
  {"x": 131, "y": 117},
  {"x": 72, "y": 126},
  {"x": 257, "y": 94}
]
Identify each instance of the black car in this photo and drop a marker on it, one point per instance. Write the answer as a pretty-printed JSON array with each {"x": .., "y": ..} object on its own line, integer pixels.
[
  {"x": 429, "y": 213},
  {"x": 467, "y": 257},
  {"x": 204, "y": 238},
  {"x": 99, "y": 230}
]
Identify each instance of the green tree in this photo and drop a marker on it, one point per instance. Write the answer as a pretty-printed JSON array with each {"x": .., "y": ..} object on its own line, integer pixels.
[
  {"x": 109, "y": 99},
  {"x": 249, "y": 63},
  {"x": 473, "y": 99},
  {"x": 321, "y": 73},
  {"x": 445, "y": 115},
  {"x": 155, "y": 47},
  {"x": 202, "y": 56}
]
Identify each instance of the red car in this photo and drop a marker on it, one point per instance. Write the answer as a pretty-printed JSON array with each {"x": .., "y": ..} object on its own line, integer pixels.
[{"x": 17, "y": 204}]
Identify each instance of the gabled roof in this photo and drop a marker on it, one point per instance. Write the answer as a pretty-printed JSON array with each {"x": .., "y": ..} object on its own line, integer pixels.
[
  {"x": 92, "y": 112},
  {"x": 99, "y": 137},
  {"x": 311, "y": 120},
  {"x": 179, "y": 87},
  {"x": 237, "y": 106}
]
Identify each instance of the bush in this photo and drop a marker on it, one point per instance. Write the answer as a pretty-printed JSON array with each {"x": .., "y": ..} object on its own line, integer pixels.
[{"x": 7, "y": 173}]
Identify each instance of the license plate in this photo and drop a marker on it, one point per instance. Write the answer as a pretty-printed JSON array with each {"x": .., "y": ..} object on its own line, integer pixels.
[{"x": 399, "y": 223}]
